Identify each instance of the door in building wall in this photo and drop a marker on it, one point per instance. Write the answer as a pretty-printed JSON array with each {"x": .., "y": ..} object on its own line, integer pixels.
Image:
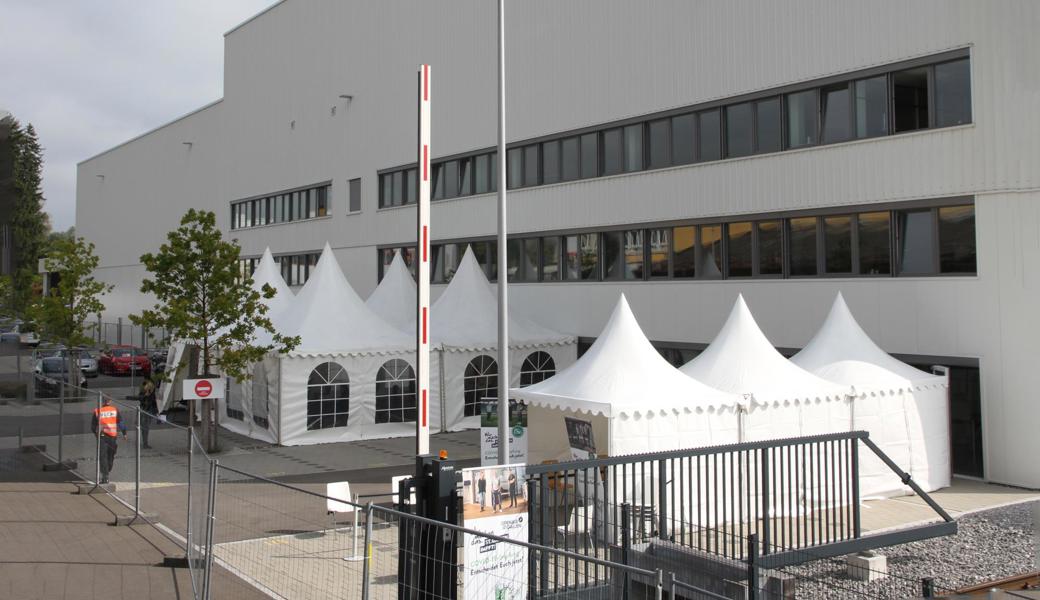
[{"x": 966, "y": 421}]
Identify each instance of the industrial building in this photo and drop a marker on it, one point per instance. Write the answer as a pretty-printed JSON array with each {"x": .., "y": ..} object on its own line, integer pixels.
[{"x": 678, "y": 152}]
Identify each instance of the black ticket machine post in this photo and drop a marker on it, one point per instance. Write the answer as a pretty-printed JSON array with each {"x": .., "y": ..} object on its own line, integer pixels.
[{"x": 428, "y": 566}]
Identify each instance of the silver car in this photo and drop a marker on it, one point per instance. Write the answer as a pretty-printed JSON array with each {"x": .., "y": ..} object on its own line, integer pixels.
[{"x": 88, "y": 363}]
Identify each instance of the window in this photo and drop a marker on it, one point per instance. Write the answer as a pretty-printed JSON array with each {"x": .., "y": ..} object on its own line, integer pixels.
[
  {"x": 767, "y": 125},
  {"x": 916, "y": 239},
  {"x": 451, "y": 255},
  {"x": 836, "y": 117},
  {"x": 355, "y": 195},
  {"x": 837, "y": 244},
  {"x": 709, "y": 263},
  {"x": 709, "y": 135},
  {"x": 589, "y": 155},
  {"x": 739, "y": 249},
  {"x": 515, "y": 168},
  {"x": 531, "y": 175},
  {"x": 739, "y": 130},
  {"x": 450, "y": 177},
  {"x": 551, "y": 259},
  {"x": 910, "y": 99},
  {"x": 685, "y": 253},
  {"x": 551, "y": 162},
  {"x": 411, "y": 182},
  {"x": 437, "y": 182},
  {"x": 480, "y": 381},
  {"x": 323, "y": 201},
  {"x": 770, "y": 248},
  {"x": 531, "y": 259},
  {"x": 957, "y": 239},
  {"x": 613, "y": 155},
  {"x": 801, "y": 119},
  {"x": 634, "y": 254},
  {"x": 871, "y": 106},
  {"x": 261, "y": 406},
  {"x": 328, "y": 397},
  {"x": 589, "y": 246},
  {"x": 634, "y": 148},
  {"x": 493, "y": 179},
  {"x": 482, "y": 175},
  {"x": 395, "y": 393},
  {"x": 571, "y": 258},
  {"x": 537, "y": 367},
  {"x": 682, "y": 139},
  {"x": 613, "y": 258},
  {"x": 660, "y": 143},
  {"x": 397, "y": 189},
  {"x": 952, "y": 93},
  {"x": 465, "y": 176},
  {"x": 570, "y": 159},
  {"x": 660, "y": 251},
  {"x": 874, "y": 242},
  {"x": 802, "y": 236}
]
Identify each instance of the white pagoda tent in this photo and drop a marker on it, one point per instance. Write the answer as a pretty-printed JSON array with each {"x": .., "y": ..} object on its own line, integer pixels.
[
  {"x": 636, "y": 401},
  {"x": 782, "y": 399},
  {"x": 464, "y": 330},
  {"x": 394, "y": 299},
  {"x": 904, "y": 409}
]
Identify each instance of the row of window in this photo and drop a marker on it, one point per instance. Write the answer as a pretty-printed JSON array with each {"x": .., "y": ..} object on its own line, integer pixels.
[
  {"x": 295, "y": 268},
  {"x": 920, "y": 241},
  {"x": 922, "y": 97},
  {"x": 299, "y": 205}
]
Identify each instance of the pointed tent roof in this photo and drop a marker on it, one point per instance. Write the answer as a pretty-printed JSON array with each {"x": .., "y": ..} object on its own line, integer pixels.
[
  {"x": 330, "y": 317},
  {"x": 394, "y": 297},
  {"x": 842, "y": 352},
  {"x": 741, "y": 360},
  {"x": 622, "y": 374},
  {"x": 466, "y": 314},
  {"x": 267, "y": 272}
]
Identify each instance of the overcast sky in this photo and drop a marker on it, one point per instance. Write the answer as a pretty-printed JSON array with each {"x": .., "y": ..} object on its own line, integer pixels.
[{"x": 91, "y": 74}]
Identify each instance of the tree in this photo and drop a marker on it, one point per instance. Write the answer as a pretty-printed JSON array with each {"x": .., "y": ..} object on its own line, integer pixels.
[
  {"x": 202, "y": 299},
  {"x": 63, "y": 313},
  {"x": 28, "y": 221}
]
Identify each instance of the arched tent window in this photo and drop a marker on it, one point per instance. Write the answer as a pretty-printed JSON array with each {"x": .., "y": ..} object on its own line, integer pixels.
[
  {"x": 328, "y": 397},
  {"x": 537, "y": 367},
  {"x": 479, "y": 382},
  {"x": 395, "y": 392},
  {"x": 261, "y": 408}
]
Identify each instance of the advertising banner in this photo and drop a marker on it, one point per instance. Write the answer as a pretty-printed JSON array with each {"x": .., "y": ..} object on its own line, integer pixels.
[
  {"x": 489, "y": 432},
  {"x": 494, "y": 501},
  {"x": 588, "y": 485}
]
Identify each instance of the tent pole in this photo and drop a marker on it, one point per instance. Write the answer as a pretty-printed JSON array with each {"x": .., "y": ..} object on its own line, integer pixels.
[{"x": 503, "y": 275}]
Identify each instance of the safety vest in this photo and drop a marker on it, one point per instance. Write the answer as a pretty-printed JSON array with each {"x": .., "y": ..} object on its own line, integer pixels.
[{"x": 108, "y": 420}]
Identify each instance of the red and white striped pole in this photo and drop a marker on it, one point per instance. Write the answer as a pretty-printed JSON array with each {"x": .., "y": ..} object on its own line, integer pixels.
[{"x": 422, "y": 320}]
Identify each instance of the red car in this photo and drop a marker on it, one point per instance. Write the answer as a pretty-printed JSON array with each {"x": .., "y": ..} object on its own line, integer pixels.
[{"x": 123, "y": 360}]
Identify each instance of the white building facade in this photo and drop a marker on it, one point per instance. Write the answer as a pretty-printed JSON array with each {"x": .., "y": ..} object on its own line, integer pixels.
[{"x": 679, "y": 152}]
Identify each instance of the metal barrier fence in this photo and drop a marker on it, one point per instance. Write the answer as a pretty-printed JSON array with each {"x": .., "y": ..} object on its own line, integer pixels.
[{"x": 124, "y": 332}]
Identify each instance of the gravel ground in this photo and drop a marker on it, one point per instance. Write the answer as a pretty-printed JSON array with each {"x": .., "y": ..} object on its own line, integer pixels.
[{"x": 989, "y": 545}]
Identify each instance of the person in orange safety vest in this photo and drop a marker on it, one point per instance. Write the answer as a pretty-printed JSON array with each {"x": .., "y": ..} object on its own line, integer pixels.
[{"x": 110, "y": 420}]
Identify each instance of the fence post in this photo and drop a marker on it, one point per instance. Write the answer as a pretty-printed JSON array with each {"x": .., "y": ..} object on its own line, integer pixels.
[
  {"x": 99, "y": 329},
  {"x": 753, "y": 567},
  {"x": 119, "y": 330},
  {"x": 626, "y": 544},
  {"x": 766, "y": 500},
  {"x": 137, "y": 467},
  {"x": 61, "y": 422},
  {"x": 367, "y": 567},
  {"x": 671, "y": 585},
  {"x": 662, "y": 499},
  {"x": 97, "y": 439},
  {"x": 660, "y": 584},
  {"x": 187, "y": 524},
  {"x": 928, "y": 587},
  {"x": 855, "y": 488},
  {"x": 211, "y": 507}
]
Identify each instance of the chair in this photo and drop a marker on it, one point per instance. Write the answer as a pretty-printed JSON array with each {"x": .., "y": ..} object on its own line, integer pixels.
[
  {"x": 341, "y": 491},
  {"x": 581, "y": 523},
  {"x": 395, "y": 485}
]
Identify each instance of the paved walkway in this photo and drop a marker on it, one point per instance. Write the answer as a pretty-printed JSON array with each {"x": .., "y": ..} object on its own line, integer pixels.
[{"x": 55, "y": 544}]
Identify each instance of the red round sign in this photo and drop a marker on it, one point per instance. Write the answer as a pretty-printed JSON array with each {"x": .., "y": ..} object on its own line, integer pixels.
[{"x": 203, "y": 388}]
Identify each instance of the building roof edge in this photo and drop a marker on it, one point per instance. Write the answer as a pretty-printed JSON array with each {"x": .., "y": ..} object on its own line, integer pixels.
[{"x": 151, "y": 131}]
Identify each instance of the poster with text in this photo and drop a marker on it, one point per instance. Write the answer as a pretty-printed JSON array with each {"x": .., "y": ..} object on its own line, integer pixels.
[
  {"x": 489, "y": 432},
  {"x": 588, "y": 484},
  {"x": 494, "y": 500}
]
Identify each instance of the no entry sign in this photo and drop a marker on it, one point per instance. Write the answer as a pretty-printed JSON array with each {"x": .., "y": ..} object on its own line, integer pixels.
[{"x": 203, "y": 389}]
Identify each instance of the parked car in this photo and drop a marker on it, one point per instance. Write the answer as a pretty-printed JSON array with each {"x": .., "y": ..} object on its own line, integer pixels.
[
  {"x": 88, "y": 363},
  {"x": 53, "y": 371},
  {"x": 123, "y": 360}
]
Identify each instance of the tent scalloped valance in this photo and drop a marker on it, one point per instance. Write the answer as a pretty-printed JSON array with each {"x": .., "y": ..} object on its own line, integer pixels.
[{"x": 584, "y": 409}]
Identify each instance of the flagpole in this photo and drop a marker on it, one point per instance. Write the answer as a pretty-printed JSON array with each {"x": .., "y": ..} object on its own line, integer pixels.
[{"x": 503, "y": 276}]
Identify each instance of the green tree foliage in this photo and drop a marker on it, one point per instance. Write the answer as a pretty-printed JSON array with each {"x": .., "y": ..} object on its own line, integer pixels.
[
  {"x": 62, "y": 314},
  {"x": 203, "y": 299},
  {"x": 28, "y": 221}
]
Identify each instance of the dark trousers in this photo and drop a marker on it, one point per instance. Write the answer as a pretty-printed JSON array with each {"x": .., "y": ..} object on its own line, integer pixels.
[
  {"x": 146, "y": 426},
  {"x": 512, "y": 495},
  {"x": 109, "y": 446}
]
